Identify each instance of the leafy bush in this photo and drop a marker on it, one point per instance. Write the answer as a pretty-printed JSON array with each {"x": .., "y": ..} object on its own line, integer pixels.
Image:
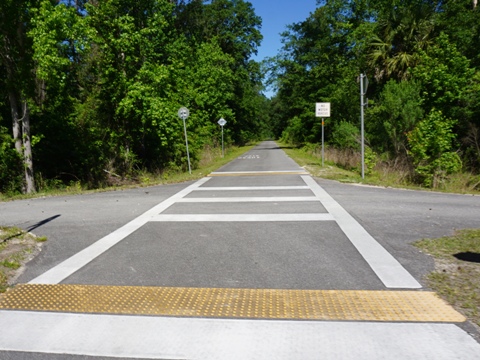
[
  {"x": 345, "y": 135},
  {"x": 431, "y": 145},
  {"x": 397, "y": 113},
  {"x": 293, "y": 134},
  {"x": 10, "y": 165}
]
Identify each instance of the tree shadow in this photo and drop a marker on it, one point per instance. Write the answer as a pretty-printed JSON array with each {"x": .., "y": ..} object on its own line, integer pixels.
[
  {"x": 10, "y": 237},
  {"x": 43, "y": 222},
  {"x": 468, "y": 256},
  {"x": 34, "y": 226}
]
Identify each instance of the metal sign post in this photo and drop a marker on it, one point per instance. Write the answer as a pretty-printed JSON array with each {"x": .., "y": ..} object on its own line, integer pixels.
[
  {"x": 222, "y": 123},
  {"x": 322, "y": 110},
  {"x": 323, "y": 142},
  {"x": 363, "y": 91},
  {"x": 183, "y": 114}
]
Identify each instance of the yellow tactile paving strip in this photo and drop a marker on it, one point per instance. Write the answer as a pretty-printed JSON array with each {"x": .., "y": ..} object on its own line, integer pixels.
[{"x": 404, "y": 306}]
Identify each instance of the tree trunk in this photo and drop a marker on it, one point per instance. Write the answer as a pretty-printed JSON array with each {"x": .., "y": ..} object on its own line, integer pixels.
[
  {"x": 17, "y": 130},
  {"x": 22, "y": 139},
  {"x": 27, "y": 151},
  {"x": 15, "y": 57}
]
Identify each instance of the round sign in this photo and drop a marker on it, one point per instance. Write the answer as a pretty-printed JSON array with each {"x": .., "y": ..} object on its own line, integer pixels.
[
  {"x": 183, "y": 113},
  {"x": 222, "y": 122}
]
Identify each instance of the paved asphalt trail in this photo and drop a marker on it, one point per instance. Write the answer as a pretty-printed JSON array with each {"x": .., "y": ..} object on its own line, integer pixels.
[{"x": 258, "y": 224}]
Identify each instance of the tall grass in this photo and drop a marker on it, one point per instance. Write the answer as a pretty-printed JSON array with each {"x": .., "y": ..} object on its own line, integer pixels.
[{"x": 345, "y": 165}]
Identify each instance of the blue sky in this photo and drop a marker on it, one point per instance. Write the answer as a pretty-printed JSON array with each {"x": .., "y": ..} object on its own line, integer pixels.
[{"x": 276, "y": 15}]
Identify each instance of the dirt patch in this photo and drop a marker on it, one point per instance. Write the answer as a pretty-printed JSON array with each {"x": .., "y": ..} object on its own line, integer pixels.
[{"x": 17, "y": 248}]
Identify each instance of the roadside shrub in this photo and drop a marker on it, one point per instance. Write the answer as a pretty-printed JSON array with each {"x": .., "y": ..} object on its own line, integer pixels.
[
  {"x": 346, "y": 135},
  {"x": 10, "y": 165},
  {"x": 431, "y": 145}
]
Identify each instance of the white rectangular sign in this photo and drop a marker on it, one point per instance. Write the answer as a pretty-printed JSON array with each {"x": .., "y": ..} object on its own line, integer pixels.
[{"x": 322, "y": 109}]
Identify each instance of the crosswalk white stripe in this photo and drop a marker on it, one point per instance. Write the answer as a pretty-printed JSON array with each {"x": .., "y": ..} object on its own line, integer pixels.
[
  {"x": 248, "y": 188},
  {"x": 287, "y": 172},
  {"x": 249, "y": 199},
  {"x": 387, "y": 268},
  {"x": 241, "y": 217},
  {"x": 82, "y": 258}
]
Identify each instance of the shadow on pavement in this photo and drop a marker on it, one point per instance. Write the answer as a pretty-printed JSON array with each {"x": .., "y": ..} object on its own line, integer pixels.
[{"x": 43, "y": 222}]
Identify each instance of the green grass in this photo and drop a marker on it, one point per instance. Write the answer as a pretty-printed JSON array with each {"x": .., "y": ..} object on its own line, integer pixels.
[
  {"x": 7, "y": 233},
  {"x": 456, "y": 280},
  {"x": 10, "y": 264}
]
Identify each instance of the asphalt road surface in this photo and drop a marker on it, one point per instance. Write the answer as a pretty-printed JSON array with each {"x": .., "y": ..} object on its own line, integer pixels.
[{"x": 260, "y": 227}]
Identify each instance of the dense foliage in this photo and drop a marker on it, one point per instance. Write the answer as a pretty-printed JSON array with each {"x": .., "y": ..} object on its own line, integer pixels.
[
  {"x": 422, "y": 60},
  {"x": 101, "y": 82},
  {"x": 90, "y": 88}
]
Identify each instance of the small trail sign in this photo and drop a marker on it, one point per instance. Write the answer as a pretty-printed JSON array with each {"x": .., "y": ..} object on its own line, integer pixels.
[
  {"x": 183, "y": 113},
  {"x": 322, "y": 110}
]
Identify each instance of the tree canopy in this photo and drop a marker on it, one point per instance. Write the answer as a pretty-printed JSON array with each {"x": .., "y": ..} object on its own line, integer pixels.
[
  {"x": 101, "y": 83},
  {"x": 91, "y": 88},
  {"x": 422, "y": 61}
]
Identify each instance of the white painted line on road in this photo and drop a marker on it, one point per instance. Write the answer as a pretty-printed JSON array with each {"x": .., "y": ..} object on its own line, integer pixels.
[
  {"x": 150, "y": 337},
  {"x": 247, "y": 188},
  {"x": 286, "y": 172},
  {"x": 249, "y": 199},
  {"x": 82, "y": 258},
  {"x": 387, "y": 268},
  {"x": 241, "y": 217}
]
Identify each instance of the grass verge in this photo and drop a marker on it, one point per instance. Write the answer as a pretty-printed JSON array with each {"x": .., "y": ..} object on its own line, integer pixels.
[
  {"x": 17, "y": 247},
  {"x": 210, "y": 161},
  {"x": 310, "y": 159},
  {"x": 457, "y": 270}
]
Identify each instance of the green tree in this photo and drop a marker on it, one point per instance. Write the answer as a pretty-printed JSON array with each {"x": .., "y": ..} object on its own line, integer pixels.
[
  {"x": 431, "y": 144},
  {"x": 397, "y": 111},
  {"x": 320, "y": 62},
  {"x": 10, "y": 164},
  {"x": 444, "y": 75},
  {"x": 235, "y": 27},
  {"x": 16, "y": 67},
  {"x": 470, "y": 120},
  {"x": 64, "y": 149},
  {"x": 402, "y": 29},
  {"x": 130, "y": 43},
  {"x": 460, "y": 20}
]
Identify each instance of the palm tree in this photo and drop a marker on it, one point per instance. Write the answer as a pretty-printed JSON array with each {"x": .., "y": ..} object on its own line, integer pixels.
[{"x": 399, "y": 36}]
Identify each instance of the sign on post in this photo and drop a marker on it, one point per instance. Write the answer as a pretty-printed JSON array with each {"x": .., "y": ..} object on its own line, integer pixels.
[
  {"x": 183, "y": 114},
  {"x": 322, "y": 110},
  {"x": 222, "y": 123}
]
